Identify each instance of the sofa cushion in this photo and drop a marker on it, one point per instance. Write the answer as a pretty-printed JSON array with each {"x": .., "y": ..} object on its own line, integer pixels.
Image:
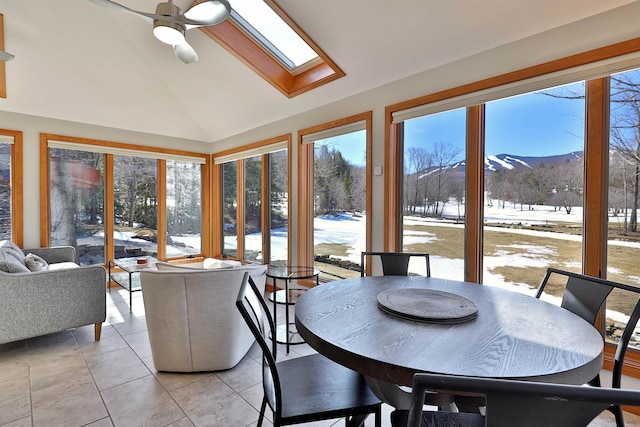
[
  {"x": 63, "y": 265},
  {"x": 10, "y": 263},
  {"x": 35, "y": 263}
]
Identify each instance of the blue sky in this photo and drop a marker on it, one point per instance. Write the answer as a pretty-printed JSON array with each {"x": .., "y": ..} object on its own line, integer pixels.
[{"x": 526, "y": 125}]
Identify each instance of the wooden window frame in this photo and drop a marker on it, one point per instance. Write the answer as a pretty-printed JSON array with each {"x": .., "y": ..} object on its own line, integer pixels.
[
  {"x": 3, "y": 80},
  {"x": 109, "y": 192},
  {"x": 217, "y": 216},
  {"x": 243, "y": 47},
  {"x": 596, "y": 166},
  {"x": 17, "y": 198},
  {"x": 305, "y": 184}
]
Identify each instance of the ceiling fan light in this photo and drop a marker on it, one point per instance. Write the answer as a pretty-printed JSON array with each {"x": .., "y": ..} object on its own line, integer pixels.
[
  {"x": 168, "y": 32},
  {"x": 210, "y": 11}
]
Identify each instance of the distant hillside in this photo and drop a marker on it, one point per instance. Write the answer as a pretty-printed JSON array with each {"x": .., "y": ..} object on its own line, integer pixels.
[{"x": 509, "y": 161}]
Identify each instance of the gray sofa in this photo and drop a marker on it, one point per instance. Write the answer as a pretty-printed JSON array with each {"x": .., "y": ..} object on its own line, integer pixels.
[
  {"x": 56, "y": 295},
  {"x": 192, "y": 320}
]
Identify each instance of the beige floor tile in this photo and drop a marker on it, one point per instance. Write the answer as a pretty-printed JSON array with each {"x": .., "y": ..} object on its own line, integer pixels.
[
  {"x": 15, "y": 399},
  {"x": 104, "y": 422},
  {"x": 23, "y": 422},
  {"x": 142, "y": 402},
  {"x": 108, "y": 343},
  {"x": 60, "y": 368},
  {"x": 174, "y": 380},
  {"x": 185, "y": 422},
  {"x": 244, "y": 375},
  {"x": 69, "y": 403},
  {"x": 139, "y": 342},
  {"x": 115, "y": 368},
  {"x": 211, "y": 403}
]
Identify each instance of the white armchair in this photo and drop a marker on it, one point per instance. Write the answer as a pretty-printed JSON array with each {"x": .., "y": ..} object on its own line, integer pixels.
[{"x": 192, "y": 320}]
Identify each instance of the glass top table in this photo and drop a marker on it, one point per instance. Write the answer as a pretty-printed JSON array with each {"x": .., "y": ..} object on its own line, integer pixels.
[
  {"x": 287, "y": 333},
  {"x": 125, "y": 273}
]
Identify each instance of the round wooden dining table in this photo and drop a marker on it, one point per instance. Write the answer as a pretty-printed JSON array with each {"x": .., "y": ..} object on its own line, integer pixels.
[{"x": 514, "y": 336}]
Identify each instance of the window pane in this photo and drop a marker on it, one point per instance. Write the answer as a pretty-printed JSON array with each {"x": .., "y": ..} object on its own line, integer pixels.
[
  {"x": 339, "y": 194},
  {"x": 253, "y": 208},
  {"x": 279, "y": 178},
  {"x": 5, "y": 191},
  {"x": 135, "y": 206},
  {"x": 533, "y": 186},
  {"x": 271, "y": 32},
  {"x": 76, "y": 203},
  {"x": 623, "y": 249},
  {"x": 230, "y": 202},
  {"x": 184, "y": 208},
  {"x": 433, "y": 192}
]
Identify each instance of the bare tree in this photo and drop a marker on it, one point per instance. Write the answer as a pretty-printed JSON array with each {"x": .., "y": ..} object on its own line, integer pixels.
[
  {"x": 444, "y": 155},
  {"x": 625, "y": 129},
  {"x": 419, "y": 162}
]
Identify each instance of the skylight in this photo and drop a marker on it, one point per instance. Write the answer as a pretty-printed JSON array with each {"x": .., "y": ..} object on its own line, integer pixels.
[{"x": 270, "y": 31}]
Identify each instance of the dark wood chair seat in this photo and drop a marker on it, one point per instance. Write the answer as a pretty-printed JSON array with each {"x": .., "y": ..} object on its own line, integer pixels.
[{"x": 308, "y": 388}]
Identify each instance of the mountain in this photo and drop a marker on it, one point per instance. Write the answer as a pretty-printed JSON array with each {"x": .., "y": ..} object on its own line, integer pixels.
[
  {"x": 493, "y": 163},
  {"x": 508, "y": 161}
]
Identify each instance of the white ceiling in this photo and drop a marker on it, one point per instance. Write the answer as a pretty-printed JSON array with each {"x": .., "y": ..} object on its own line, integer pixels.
[{"x": 80, "y": 62}]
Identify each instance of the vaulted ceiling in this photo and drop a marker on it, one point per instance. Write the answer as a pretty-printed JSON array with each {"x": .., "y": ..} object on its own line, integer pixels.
[{"x": 80, "y": 62}]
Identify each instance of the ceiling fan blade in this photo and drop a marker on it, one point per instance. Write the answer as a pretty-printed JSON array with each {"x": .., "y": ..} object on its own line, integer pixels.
[
  {"x": 116, "y": 6},
  {"x": 185, "y": 53},
  {"x": 206, "y": 13},
  {"x": 6, "y": 56}
]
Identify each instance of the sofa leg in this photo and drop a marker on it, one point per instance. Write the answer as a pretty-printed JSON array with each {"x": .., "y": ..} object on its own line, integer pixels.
[{"x": 97, "y": 330}]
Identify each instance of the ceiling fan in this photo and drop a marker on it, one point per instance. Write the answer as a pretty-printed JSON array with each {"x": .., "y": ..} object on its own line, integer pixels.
[
  {"x": 170, "y": 23},
  {"x": 6, "y": 56}
]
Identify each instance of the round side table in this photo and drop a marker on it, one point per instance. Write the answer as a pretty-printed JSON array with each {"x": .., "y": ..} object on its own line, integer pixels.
[{"x": 287, "y": 333}]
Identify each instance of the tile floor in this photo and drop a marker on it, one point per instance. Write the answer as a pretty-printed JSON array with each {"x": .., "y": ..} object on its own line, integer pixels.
[{"x": 67, "y": 379}]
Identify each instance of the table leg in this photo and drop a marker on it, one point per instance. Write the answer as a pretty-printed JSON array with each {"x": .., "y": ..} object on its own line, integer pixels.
[
  {"x": 286, "y": 313},
  {"x": 275, "y": 315},
  {"x": 130, "y": 292}
]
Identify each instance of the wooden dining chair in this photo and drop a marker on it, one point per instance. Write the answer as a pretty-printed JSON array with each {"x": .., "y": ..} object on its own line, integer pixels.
[
  {"x": 394, "y": 263},
  {"x": 308, "y": 388},
  {"x": 512, "y": 403},
  {"x": 584, "y": 296}
]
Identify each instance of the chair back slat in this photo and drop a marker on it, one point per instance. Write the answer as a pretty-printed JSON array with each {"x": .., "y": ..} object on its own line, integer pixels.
[
  {"x": 255, "y": 313},
  {"x": 395, "y": 263},
  {"x": 584, "y": 297}
]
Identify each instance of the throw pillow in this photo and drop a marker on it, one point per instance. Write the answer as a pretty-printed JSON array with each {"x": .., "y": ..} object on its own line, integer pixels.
[
  {"x": 35, "y": 263},
  {"x": 10, "y": 264},
  {"x": 8, "y": 245}
]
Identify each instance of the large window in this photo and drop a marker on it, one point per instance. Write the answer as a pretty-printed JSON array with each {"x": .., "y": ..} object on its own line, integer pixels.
[
  {"x": 253, "y": 208},
  {"x": 255, "y": 202},
  {"x": 11, "y": 186},
  {"x": 278, "y": 242},
  {"x": 184, "y": 208},
  {"x": 112, "y": 200},
  {"x": 623, "y": 248},
  {"x": 76, "y": 203},
  {"x": 551, "y": 175},
  {"x": 135, "y": 206},
  {"x": 334, "y": 199},
  {"x": 230, "y": 209},
  {"x": 433, "y": 192},
  {"x": 533, "y": 175}
]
